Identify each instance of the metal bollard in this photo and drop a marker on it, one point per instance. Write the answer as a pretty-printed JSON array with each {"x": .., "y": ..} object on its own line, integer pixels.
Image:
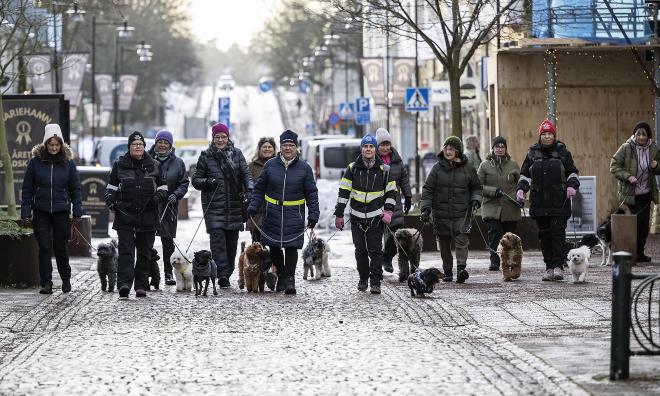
[{"x": 621, "y": 305}]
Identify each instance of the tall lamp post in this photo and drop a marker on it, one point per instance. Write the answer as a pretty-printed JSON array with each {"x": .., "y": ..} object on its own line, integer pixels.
[{"x": 144, "y": 53}]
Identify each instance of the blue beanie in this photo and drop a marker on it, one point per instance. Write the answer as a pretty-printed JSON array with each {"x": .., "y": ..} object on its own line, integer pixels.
[
  {"x": 164, "y": 135},
  {"x": 368, "y": 139}
]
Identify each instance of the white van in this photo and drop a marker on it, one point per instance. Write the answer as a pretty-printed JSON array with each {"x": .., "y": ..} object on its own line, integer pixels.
[
  {"x": 303, "y": 142},
  {"x": 109, "y": 148},
  {"x": 329, "y": 158}
]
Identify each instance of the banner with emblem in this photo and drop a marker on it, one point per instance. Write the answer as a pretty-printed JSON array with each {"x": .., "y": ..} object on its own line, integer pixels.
[
  {"x": 39, "y": 71},
  {"x": 374, "y": 73},
  {"x": 73, "y": 71},
  {"x": 127, "y": 86},
  {"x": 403, "y": 72},
  {"x": 104, "y": 88}
]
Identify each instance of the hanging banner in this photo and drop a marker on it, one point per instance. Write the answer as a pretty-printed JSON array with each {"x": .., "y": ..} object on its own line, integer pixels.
[
  {"x": 374, "y": 72},
  {"x": 73, "y": 71},
  {"x": 104, "y": 88},
  {"x": 39, "y": 71},
  {"x": 402, "y": 78},
  {"x": 127, "y": 85},
  {"x": 89, "y": 109},
  {"x": 104, "y": 119}
]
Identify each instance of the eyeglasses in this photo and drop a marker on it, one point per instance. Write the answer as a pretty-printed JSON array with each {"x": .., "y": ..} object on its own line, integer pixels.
[
  {"x": 288, "y": 146},
  {"x": 220, "y": 136},
  {"x": 500, "y": 146},
  {"x": 137, "y": 144}
]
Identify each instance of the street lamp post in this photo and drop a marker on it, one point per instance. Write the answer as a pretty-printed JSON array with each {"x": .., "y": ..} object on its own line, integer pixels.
[{"x": 144, "y": 53}]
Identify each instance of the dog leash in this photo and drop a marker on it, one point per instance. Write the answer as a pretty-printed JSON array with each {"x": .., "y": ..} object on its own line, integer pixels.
[
  {"x": 483, "y": 238},
  {"x": 401, "y": 249},
  {"x": 336, "y": 231},
  {"x": 203, "y": 216},
  {"x": 80, "y": 235},
  {"x": 263, "y": 234}
]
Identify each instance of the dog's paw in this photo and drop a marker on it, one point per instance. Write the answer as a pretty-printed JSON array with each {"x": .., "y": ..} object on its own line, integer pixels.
[{"x": 305, "y": 277}]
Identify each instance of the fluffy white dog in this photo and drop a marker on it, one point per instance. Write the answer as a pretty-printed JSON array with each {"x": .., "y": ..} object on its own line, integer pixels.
[
  {"x": 578, "y": 262},
  {"x": 183, "y": 273}
]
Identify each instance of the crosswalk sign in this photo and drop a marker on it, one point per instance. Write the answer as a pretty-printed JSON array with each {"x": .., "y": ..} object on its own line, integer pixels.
[
  {"x": 417, "y": 99},
  {"x": 346, "y": 111}
]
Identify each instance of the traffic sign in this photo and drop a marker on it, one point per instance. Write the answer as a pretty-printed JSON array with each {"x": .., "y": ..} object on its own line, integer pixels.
[
  {"x": 362, "y": 111},
  {"x": 333, "y": 119},
  {"x": 266, "y": 85},
  {"x": 346, "y": 110},
  {"x": 223, "y": 110},
  {"x": 417, "y": 99},
  {"x": 304, "y": 86}
]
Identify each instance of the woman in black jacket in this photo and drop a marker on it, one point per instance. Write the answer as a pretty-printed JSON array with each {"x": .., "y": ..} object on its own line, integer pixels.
[
  {"x": 50, "y": 188},
  {"x": 173, "y": 171},
  {"x": 223, "y": 177}
]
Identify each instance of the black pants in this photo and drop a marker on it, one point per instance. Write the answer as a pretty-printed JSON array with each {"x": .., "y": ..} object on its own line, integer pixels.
[
  {"x": 168, "y": 251},
  {"x": 368, "y": 241},
  {"x": 286, "y": 261},
  {"x": 642, "y": 208},
  {"x": 552, "y": 237},
  {"x": 131, "y": 271},
  {"x": 256, "y": 235},
  {"x": 389, "y": 250},
  {"x": 496, "y": 229},
  {"x": 223, "y": 250},
  {"x": 52, "y": 233}
]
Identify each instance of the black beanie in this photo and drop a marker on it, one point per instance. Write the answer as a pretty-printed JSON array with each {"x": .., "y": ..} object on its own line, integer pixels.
[
  {"x": 136, "y": 136},
  {"x": 499, "y": 140},
  {"x": 288, "y": 136},
  {"x": 644, "y": 126}
]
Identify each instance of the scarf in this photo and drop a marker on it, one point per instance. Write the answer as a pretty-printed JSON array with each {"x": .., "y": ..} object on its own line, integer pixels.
[
  {"x": 162, "y": 157},
  {"x": 369, "y": 163},
  {"x": 643, "y": 184},
  {"x": 387, "y": 159}
]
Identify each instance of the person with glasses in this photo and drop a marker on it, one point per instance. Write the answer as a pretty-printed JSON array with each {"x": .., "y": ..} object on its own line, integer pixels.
[
  {"x": 134, "y": 191},
  {"x": 223, "y": 177},
  {"x": 285, "y": 186},
  {"x": 499, "y": 175},
  {"x": 266, "y": 149}
]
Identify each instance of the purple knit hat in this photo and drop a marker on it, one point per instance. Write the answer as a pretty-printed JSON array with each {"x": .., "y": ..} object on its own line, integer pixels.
[
  {"x": 219, "y": 128},
  {"x": 164, "y": 135}
]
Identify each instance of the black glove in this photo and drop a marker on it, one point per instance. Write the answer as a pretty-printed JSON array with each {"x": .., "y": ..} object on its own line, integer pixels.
[
  {"x": 499, "y": 192},
  {"x": 251, "y": 211},
  {"x": 474, "y": 204},
  {"x": 311, "y": 223},
  {"x": 110, "y": 205},
  {"x": 407, "y": 203},
  {"x": 211, "y": 183},
  {"x": 172, "y": 199},
  {"x": 426, "y": 216}
]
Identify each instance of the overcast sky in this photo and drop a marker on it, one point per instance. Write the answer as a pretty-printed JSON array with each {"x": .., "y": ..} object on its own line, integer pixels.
[{"x": 230, "y": 21}]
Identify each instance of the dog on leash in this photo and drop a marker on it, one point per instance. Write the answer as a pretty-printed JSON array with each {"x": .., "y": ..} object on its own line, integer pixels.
[
  {"x": 604, "y": 234},
  {"x": 182, "y": 273},
  {"x": 268, "y": 271},
  {"x": 578, "y": 262},
  {"x": 422, "y": 281},
  {"x": 409, "y": 244},
  {"x": 106, "y": 265},
  {"x": 250, "y": 268},
  {"x": 315, "y": 257},
  {"x": 154, "y": 271},
  {"x": 203, "y": 270},
  {"x": 511, "y": 253}
]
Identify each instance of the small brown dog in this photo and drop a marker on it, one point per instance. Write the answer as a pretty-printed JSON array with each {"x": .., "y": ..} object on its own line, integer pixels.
[
  {"x": 511, "y": 253},
  {"x": 249, "y": 267}
]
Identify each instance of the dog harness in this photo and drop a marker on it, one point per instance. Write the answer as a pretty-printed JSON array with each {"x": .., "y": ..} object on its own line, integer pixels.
[{"x": 420, "y": 284}]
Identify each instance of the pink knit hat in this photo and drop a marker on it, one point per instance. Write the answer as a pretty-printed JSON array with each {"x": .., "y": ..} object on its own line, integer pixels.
[{"x": 219, "y": 128}]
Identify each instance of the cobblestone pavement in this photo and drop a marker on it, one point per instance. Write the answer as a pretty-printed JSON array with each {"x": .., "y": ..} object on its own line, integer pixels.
[{"x": 483, "y": 337}]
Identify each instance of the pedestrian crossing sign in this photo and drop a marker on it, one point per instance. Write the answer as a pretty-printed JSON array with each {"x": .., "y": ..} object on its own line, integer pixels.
[
  {"x": 417, "y": 99},
  {"x": 346, "y": 110}
]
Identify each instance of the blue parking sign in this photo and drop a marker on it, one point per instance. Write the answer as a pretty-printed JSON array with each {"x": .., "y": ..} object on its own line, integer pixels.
[
  {"x": 223, "y": 110},
  {"x": 362, "y": 111}
]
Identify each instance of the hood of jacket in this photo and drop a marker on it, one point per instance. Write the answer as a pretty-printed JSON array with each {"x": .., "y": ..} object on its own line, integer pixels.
[
  {"x": 631, "y": 141},
  {"x": 40, "y": 151}
]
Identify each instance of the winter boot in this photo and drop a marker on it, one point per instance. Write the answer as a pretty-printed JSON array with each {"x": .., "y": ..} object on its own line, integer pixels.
[
  {"x": 549, "y": 275},
  {"x": 362, "y": 285},
  {"x": 642, "y": 258},
  {"x": 387, "y": 265},
  {"x": 140, "y": 293},
  {"x": 123, "y": 291},
  {"x": 155, "y": 282},
  {"x": 375, "y": 287},
  {"x": 223, "y": 282},
  {"x": 462, "y": 275},
  {"x": 281, "y": 284},
  {"x": 559, "y": 274},
  {"x": 449, "y": 276},
  {"x": 169, "y": 280},
  {"x": 290, "y": 285},
  {"x": 47, "y": 289},
  {"x": 66, "y": 285},
  {"x": 494, "y": 262}
]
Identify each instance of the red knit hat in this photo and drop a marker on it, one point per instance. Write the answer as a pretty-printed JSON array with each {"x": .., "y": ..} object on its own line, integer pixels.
[
  {"x": 219, "y": 128},
  {"x": 547, "y": 126}
]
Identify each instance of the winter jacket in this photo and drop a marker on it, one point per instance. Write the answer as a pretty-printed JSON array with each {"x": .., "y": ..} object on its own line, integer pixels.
[
  {"x": 447, "y": 192},
  {"x": 547, "y": 172},
  {"x": 256, "y": 167},
  {"x": 499, "y": 172},
  {"x": 399, "y": 174},
  {"x": 51, "y": 183},
  {"x": 624, "y": 165},
  {"x": 173, "y": 172},
  {"x": 224, "y": 205},
  {"x": 284, "y": 191},
  {"x": 134, "y": 190},
  {"x": 369, "y": 190}
]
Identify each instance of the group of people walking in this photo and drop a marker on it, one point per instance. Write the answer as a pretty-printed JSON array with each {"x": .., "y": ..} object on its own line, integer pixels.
[{"x": 275, "y": 196}]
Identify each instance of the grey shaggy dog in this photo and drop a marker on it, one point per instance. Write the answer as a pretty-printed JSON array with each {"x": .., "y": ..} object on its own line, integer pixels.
[
  {"x": 315, "y": 256},
  {"x": 409, "y": 244},
  {"x": 203, "y": 269},
  {"x": 106, "y": 265}
]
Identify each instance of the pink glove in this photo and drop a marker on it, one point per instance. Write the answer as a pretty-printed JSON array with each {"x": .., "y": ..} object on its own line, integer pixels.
[
  {"x": 339, "y": 223},
  {"x": 570, "y": 192},
  {"x": 520, "y": 195},
  {"x": 387, "y": 217}
]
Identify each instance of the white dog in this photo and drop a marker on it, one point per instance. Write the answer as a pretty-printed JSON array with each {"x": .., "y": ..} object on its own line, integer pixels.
[
  {"x": 578, "y": 262},
  {"x": 183, "y": 273}
]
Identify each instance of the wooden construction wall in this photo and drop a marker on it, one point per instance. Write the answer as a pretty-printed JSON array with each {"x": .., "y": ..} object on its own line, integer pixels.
[{"x": 599, "y": 98}]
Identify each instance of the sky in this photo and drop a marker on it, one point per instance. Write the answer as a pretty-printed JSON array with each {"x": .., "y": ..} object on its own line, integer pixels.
[{"x": 230, "y": 21}]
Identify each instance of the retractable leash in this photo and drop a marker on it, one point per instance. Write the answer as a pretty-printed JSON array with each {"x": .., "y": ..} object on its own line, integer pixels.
[{"x": 164, "y": 211}]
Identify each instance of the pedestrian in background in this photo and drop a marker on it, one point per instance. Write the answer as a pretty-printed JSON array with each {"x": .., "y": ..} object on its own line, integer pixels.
[
  {"x": 549, "y": 172},
  {"x": 286, "y": 184},
  {"x": 173, "y": 172},
  {"x": 134, "y": 191},
  {"x": 499, "y": 175},
  {"x": 635, "y": 165},
  {"x": 451, "y": 193},
  {"x": 370, "y": 191},
  {"x": 223, "y": 177},
  {"x": 51, "y": 188},
  {"x": 266, "y": 149},
  {"x": 472, "y": 147},
  {"x": 399, "y": 174}
]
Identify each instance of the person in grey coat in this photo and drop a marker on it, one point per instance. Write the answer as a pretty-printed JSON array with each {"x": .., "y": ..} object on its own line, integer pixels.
[
  {"x": 399, "y": 174},
  {"x": 173, "y": 171},
  {"x": 223, "y": 177}
]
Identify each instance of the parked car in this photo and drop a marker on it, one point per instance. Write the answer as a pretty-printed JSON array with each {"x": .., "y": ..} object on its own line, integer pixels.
[
  {"x": 303, "y": 142},
  {"x": 226, "y": 82},
  {"x": 330, "y": 157},
  {"x": 109, "y": 148},
  {"x": 190, "y": 155}
]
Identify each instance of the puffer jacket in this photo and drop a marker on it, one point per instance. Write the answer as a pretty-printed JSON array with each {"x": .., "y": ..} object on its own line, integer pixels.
[
  {"x": 447, "y": 192},
  {"x": 224, "y": 205},
  {"x": 51, "y": 183},
  {"x": 399, "y": 174},
  {"x": 173, "y": 172},
  {"x": 624, "y": 165},
  {"x": 546, "y": 173},
  {"x": 134, "y": 189},
  {"x": 285, "y": 191},
  {"x": 499, "y": 172}
]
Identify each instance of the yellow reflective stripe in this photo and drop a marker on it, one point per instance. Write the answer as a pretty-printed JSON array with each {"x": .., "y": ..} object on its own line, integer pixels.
[
  {"x": 285, "y": 203},
  {"x": 391, "y": 186},
  {"x": 345, "y": 183},
  {"x": 366, "y": 197}
]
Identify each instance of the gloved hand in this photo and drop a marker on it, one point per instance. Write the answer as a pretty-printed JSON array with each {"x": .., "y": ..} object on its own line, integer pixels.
[
  {"x": 499, "y": 192},
  {"x": 311, "y": 224},
  {"x": 25, "y": 222},
  {"x": 172, "y": 199},
  {"x": 474, "y": 204},
  {"x": 211, "y": 183},
  {"x": 387, "y": 216},
  {"x": 407, "y": 203},
  {"x": 339, "y": 223},
  {"x": 251, "y": 211},
  {"x": 110, "y": 205},
  {"x": 520, "y": 195},
  {"x": 570, "y": 192},
  {"x": 426, "y": 216}
]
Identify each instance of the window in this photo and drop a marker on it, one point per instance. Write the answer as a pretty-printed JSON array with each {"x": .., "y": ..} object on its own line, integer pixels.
[{"x": 339, "y": 157}]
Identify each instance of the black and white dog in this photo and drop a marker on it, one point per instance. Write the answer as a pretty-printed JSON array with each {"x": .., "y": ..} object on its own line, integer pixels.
[
  {"x": 204, "y": 269},
  {"x": 423, "y": 281},
  {"x": 268, "y": 272},
  {"x": 106, "y": 265},
  {"x": 315, "y": 256}
]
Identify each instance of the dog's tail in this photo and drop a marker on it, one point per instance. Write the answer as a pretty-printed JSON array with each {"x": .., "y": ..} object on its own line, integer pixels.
[{"x": 242, "y": 246}]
